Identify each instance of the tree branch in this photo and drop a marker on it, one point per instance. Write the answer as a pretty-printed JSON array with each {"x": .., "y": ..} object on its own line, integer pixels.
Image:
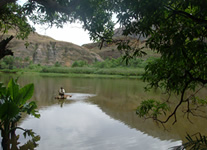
[
  {"x": 187, "y": 15},
  {"x": 176, "y": 108},
  {"x": 3, "y": 50}
]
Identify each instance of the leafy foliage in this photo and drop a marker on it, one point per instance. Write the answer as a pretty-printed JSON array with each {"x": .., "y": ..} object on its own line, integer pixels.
[
  {"x": 12, "y": 17},
  {"x": 196, "y": 141},
  {"x": 13, "y": 102},
  {"x": 79, "y": 63},
  {"x": 151, "y": 109}
]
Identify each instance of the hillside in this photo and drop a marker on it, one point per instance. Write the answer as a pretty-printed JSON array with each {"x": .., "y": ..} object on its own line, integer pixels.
[
  {"x": 47, "y": 51},
  {"x": 110, "y": 50},
  {"x": 44, "y": 50}
]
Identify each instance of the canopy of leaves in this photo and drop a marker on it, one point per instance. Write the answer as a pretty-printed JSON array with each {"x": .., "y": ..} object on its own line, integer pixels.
[{"x": 12, "y": 17}]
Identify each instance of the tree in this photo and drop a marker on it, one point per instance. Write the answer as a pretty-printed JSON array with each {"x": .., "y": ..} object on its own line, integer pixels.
[
  {"x": 176, "y": 30},
  {"x": 12, "y": 18},
  {"x": 9, "y": 61}
]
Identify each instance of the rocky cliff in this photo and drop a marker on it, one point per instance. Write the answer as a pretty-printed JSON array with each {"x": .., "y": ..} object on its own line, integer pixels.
[
  {"x": 47, "y": 51},
  {"x": 109, "y": 50}
]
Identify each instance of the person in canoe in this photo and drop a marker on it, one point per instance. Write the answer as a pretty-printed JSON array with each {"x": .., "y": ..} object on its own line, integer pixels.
[{"x": 62, "y": 92}]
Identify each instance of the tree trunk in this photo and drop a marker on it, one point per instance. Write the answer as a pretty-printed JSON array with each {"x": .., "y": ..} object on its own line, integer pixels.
[
  {"x": 3, "y": 47},
  {"x": 5, "y": 140}
]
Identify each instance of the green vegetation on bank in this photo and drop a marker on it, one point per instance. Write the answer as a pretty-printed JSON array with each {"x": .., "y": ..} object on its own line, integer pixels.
[
  {"x": 135, "y": 67},
  {"x": 88, "y": 70}
]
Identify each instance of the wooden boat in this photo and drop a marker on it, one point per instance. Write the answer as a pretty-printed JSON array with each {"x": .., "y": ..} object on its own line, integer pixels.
[{"x": 64, "y": 97}]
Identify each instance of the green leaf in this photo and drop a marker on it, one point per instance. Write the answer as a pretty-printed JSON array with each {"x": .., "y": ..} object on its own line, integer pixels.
[
  {"x": 30, "y": 109},
  {"x": 2, "y": 89},
  {"x": 13, "y": 89},
  {"x": 8, "y": 110},
  {"x": 26, "y": 93}
]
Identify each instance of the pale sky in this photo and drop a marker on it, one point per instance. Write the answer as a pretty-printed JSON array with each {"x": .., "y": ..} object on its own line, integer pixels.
[{"x": 73, "y": 33}]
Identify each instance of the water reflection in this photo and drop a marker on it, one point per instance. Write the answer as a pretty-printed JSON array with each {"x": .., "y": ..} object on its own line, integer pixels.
[
  {"x": 14, "y": 143},
  {"x": 104, "y": 120},
  {"x": 81, "y": 125}
]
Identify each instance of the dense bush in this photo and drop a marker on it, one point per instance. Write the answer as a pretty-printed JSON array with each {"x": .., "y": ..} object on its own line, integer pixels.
[
  {"x": 119, "y": 62},
  {"x": 79, "y": 63},
  {"x": 57, "y": 64}
]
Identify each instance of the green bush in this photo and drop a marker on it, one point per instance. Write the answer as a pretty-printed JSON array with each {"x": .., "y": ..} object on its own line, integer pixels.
[
  {"x": 80, "y": 63},
  {"x": 57, "y": 64}
]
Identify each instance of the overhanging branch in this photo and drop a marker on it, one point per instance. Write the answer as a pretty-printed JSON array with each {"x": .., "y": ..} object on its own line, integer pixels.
[{"x": 187, "y": 15}]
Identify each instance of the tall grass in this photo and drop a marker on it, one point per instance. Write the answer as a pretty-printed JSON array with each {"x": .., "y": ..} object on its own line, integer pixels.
[
  {"x": 108, "y": 67},
  {"x": 135, "y": 67},
  {"x": 92, "y": 70},
  {"x": 78, "y": 70}
]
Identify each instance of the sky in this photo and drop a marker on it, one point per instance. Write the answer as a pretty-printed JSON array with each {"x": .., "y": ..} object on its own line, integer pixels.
[{"x": 73, "y": 33}]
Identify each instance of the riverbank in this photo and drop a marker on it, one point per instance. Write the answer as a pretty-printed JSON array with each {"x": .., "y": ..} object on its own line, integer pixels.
[
  {"x": 109, "y": 68},
  {"x": 87, "y": 72}
]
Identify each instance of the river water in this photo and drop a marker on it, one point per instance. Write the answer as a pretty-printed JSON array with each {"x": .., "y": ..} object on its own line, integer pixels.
[{"x": 100, "y": 115}]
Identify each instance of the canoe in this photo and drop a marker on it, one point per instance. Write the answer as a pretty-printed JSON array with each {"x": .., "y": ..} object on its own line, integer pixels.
[{"x": 65, "y": 97}]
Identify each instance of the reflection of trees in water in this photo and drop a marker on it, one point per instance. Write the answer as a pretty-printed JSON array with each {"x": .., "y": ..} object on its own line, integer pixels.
[
  {"x": 121, "y": 99},
  {"x": 116, "y": 97},
  {"x": 13, "y": 144}
]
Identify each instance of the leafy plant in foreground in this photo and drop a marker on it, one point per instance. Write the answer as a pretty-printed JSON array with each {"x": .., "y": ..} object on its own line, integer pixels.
[{"x": 13, "y": 102}]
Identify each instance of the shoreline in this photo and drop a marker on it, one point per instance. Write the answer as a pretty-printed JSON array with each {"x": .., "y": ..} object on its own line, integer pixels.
[{"x": 73, "y": 75}]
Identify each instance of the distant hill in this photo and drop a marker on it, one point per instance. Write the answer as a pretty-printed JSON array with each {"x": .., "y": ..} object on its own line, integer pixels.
[
  {"x": 110, "y": 50},
  {"x": 47, "y": 51}
]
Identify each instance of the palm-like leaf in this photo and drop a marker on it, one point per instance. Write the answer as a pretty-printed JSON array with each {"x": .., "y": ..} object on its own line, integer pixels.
[
  {"x": 26, "y": 93},
  {"x": 13, "y": 89},
  {"x": 8, "y": 111}
]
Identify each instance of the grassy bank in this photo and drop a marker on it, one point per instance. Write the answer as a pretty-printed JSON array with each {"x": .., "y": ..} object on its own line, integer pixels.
[
  {"x": 82, "y": 72},
  {"x": 98, "y": 71},
  {"x": 108, "y": 68}
]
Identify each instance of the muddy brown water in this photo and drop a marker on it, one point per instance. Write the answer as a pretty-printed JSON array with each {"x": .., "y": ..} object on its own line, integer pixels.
[{"x": 100, "y": 115}]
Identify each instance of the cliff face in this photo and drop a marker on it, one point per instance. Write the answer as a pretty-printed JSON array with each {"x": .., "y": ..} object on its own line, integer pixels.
[
  {"x": 109, "y": 50},
  {"x": 47, "y": 51}
]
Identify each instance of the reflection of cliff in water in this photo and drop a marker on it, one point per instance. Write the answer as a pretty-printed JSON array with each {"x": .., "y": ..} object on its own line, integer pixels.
[
  {"x": 116, "y": 97},
  {"x": 121, "y": 104}
]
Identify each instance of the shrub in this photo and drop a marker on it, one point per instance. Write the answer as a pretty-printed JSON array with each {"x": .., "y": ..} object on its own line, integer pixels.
[{"x": 80, "y": 63}]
